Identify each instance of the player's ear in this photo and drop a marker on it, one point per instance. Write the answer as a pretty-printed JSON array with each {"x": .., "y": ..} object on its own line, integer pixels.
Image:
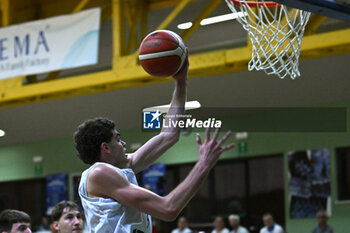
[
  {"x": 104, "y": 147},
  {"x": 54, "y": 225}
]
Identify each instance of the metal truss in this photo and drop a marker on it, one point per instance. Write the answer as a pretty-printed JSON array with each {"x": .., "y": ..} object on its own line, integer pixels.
[{"x": 129, "y": 19}]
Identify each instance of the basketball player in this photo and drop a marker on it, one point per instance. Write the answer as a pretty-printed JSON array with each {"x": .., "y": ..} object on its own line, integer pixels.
[
  {"x": 67, "y": 218},
  {"x": 14, "y": 221},
  {"x": 112, "y": 200}
]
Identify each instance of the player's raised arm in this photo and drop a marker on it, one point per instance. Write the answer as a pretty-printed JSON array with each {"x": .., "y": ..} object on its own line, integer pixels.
[
  {"x": 104, "y": 181},
  {"x": 157, "y": 145}
]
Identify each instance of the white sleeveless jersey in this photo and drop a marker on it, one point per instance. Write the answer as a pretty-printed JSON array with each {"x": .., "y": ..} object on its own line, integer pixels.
[{"x": 105, "y": 215}]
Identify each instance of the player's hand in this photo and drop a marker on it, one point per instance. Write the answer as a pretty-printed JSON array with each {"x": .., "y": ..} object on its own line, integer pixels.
[
  {"x": 211, "y": 149},
  {"x": 183, "y": 72}
]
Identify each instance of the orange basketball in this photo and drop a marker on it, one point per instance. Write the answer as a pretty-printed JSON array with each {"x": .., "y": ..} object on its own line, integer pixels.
[{"x": 162, "y": 53}]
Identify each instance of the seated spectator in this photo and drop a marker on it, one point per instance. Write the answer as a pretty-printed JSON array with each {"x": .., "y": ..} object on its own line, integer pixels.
[
  {"x": 219, "y": 226},
  {"x": 322, "y": 219},
  {"x": 182, "y": 226},
  {"x": 45, "y": 225},
  {"x": 67, "y": 218},
  {"x": 14, "y": 221},
  {"x": 234, "y": 222},
  {"x": 270, "y": 225}
]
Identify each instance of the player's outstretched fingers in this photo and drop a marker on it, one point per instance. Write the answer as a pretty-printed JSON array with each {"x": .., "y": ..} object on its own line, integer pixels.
[
  {"x": 228, "y": 147},
  {"x": 223, "y": 139},
  {"x": 207, "y": 134},
  {"x": 198, "y": 140},
  {"x": 216, "y": 134}
]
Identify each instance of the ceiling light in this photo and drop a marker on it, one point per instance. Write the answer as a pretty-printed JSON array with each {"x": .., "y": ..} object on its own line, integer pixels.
[
  {"x": 222, "y": 18},
  {"x": 2, "y": 133},
  {"x": 215, "y": 19},
  {"x": 184, "y": 26},
  {"x": 164, "y": 108}
]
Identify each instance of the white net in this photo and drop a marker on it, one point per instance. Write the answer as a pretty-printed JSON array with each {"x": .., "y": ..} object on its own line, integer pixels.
[{"x": 275, "y": 33}]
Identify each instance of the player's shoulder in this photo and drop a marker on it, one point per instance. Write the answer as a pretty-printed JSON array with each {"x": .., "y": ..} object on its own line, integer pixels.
[
  {"x": 100, "y": 168},
  {"x": 103, "y": 171}
]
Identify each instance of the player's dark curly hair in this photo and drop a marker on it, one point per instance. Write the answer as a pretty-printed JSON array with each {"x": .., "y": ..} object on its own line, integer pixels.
[{"x": 89, "y": 136}]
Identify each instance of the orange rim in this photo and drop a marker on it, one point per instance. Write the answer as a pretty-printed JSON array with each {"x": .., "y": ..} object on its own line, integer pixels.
[{"x": 255, "y": 4}]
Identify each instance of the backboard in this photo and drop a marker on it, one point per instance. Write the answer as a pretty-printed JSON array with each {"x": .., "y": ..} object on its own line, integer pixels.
[{"x": 339, "y": 9}]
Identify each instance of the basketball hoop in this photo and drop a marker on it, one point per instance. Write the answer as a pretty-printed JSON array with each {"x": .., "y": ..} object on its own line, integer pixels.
[{"x": 275, "y": 33}]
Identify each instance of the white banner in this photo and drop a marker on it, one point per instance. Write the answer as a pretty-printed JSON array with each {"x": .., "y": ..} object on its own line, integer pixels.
[{"x": 56, "y": 43}]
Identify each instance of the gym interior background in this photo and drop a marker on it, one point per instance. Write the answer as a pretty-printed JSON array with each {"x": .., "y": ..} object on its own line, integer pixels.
[{"x": 40, "y": 112}]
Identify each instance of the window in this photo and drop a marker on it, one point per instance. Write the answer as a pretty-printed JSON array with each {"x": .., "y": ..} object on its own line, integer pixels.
[
  {"x": 343, "y": 173},
  {"x": 248, "y": 187}
]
